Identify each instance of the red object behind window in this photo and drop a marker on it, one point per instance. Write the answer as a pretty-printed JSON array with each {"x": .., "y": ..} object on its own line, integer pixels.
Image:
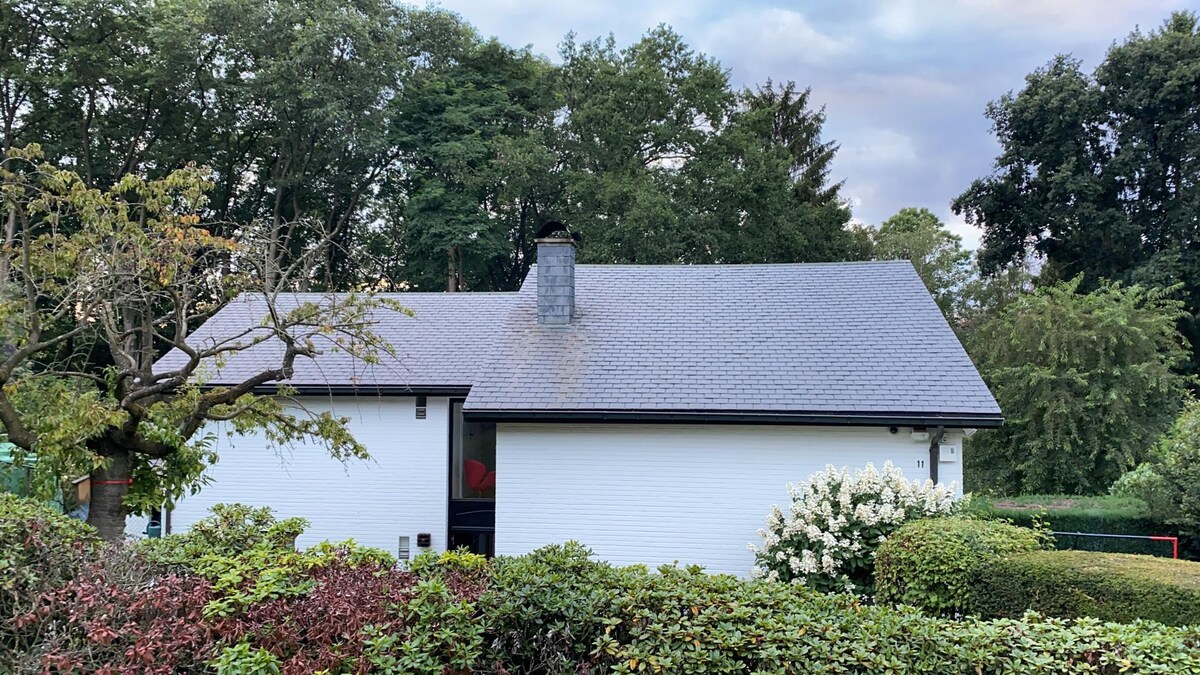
[{"x": 479, "y": 478}]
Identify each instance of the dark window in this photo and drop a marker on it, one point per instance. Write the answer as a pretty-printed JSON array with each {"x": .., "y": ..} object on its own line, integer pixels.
[{"x": 473, "y": 458}]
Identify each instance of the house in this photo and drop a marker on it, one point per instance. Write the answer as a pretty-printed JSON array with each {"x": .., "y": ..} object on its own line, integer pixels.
[{"x": 654, "y": 413}]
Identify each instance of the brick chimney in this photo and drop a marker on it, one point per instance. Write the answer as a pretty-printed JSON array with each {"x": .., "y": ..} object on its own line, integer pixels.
[{"x": 555, "y": 274}]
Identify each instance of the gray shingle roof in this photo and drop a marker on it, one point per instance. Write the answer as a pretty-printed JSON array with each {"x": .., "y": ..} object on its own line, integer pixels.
[
  {"x": 444, "y": 345},
  {"x": 842, "y": 339},
  {"x": 861, "y": 338}
]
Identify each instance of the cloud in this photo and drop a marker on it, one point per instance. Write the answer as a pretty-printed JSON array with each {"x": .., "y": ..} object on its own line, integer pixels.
[
  {"x": 879, "y": 147},
  {"x": 543, "y": 23},
  {"x": 1062, "y": 21},
  {"x": 772, "y": 37},
  {"x": 971, "y": 235},
  {"x": 1074, "y": 19}
]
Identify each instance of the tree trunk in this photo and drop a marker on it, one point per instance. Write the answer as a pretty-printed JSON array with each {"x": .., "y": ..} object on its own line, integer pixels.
[
  {"x": 106, "y": 511},
  {"x": 453, "y": 271}
]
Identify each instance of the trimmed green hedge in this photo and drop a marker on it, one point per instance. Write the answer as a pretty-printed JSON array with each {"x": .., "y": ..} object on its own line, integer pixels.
[
  {"x": 930, "y": 563},
  {"x": 1107, "y": 586},
  {"x": 555, "y": 611},
  {"x": 1100, "y": 515}
]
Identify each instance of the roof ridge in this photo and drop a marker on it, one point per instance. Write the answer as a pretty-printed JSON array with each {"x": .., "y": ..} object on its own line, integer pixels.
[
  {"x": 843, "y": 263},
  {"x": 384, "y": 293}
]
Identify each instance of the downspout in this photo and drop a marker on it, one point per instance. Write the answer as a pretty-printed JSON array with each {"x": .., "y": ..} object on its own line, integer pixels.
[{"x": 935, "y": 452}]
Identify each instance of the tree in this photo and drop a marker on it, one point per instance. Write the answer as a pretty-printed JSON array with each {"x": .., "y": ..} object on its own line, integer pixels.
[
  {"x": 1171, "y": 484},
  {"x": 761, "y": 189},
  {"x": 1087, "y": 383},
  {"x": 986, "y": 295},
  {"x": 664, "y": 162},
  {"x": 292, "y": 104},
  {"x": 432, "y": 154},
  {"x": 632, "y": 118},
  {"x": 477, "y": 173},
  {"x": 1099, "y": 175},
  {"x": 917, "y": 235},
  {"x": 102, "y": 282}
]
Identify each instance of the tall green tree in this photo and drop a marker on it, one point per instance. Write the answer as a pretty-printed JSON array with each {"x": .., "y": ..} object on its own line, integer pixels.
[
  {"x": 664, "y": 162},
  {"x": 292, "y": 104},
  {"x": 1087, "y": 383},
  {"x": 917, "y": 235},
  {"x": 632, "y": 118},
  {"x": 762, "y": 191},
  {"x": 1099, "y": 174},
  {"x": 477, "y": 172}
]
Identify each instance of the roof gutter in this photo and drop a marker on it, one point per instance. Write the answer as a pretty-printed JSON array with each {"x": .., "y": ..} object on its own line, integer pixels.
[
  {"x": 858, "y": 419},
  {"x": 356, "y": 390}
]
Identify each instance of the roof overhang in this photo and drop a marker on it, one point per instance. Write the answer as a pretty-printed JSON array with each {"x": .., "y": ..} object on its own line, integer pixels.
[
  {"x": 362, "y": 390},
  {"x": 855, "y": 419}
]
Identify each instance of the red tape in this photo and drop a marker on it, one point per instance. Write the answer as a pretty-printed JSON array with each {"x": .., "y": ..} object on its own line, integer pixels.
[
  {"x": 1174, "y": 544},
  {"x": 116, "y": 481}
]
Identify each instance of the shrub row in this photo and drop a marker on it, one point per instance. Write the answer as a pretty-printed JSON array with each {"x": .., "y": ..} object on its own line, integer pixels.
[
  {"x": 934, "y": 563},
  {"x": 556, "y": 607},
  {"x": 1100, "y": 515},
  {"x": 958, "y": 566},
  {"x": 259, "y": 607},
  {"x": 1108, "y": 586}
]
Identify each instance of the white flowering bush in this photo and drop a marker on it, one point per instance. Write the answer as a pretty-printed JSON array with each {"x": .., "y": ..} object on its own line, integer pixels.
[{"x": 827, "y": 539}]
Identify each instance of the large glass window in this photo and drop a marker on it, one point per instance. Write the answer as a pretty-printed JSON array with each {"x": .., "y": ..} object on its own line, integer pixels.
[{"x": 473, "y": 458}]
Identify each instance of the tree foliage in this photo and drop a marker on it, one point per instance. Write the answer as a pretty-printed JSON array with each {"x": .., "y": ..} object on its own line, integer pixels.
[
  {"x": 1099, "y": 174},
  {"x": 432, "y": 153},
  {"x": 1170, "y": 482},
  {"x": 1087, "y": 383},
  {"x": 665, "y": 163},
  {"x": 917, "y": 235},
  {"x": 102, "y": 283}
]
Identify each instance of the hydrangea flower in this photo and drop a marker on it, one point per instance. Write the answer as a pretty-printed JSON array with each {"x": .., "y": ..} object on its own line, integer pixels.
[{"x": 827, "y": 538}]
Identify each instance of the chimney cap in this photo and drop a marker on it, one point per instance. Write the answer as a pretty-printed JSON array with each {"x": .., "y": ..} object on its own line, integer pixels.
[{"x": 554, "y": 230}]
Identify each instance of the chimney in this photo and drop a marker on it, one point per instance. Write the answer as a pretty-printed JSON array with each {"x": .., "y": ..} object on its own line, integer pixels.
[{"x": 555, "y": 274}]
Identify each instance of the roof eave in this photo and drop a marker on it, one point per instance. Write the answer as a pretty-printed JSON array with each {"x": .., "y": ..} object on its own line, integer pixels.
[
  {"x": 360, "y": 390},
  {"x": 858, "y": 419}
]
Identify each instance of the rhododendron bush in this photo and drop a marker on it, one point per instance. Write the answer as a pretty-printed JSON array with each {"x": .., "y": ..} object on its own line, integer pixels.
[
  {"x": 827, "y": 538},
  {"x": 234, "y": 597}
]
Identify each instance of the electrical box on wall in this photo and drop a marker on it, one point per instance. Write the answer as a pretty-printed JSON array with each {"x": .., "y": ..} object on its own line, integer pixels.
[
  {"x": 948, "y": 453},
  {"x": 403, "y": 551}
]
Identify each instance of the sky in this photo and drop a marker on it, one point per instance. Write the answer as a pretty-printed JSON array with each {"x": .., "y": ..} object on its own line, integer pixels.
[{"x": 904, "y": 82}]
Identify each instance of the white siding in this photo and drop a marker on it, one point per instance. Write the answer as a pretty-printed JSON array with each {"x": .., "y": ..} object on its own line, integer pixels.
[
  {"x": 401, "y": 490},
  {"x": 663, "y": 493}
]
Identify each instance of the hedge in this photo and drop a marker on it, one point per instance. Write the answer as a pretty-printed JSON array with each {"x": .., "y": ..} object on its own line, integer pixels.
[
  {"x": 930, "y": 563},
  {"x": 556, "y": 606},
  {"x": 1101, "y": 515},
  {"x": 261, "y": 607},
  {"x": 1107, "y": 586}
]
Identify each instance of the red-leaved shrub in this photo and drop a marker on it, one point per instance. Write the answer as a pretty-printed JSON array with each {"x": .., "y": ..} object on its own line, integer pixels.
[
  {"x": 116, "y": 619},
  {"x": 120, "y": 616},
  {"x": 321, "y": 629}
]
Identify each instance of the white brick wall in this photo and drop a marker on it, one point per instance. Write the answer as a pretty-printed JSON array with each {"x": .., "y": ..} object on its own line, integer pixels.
[
  {"x": 401, "y": 490},
  {"x": 663, "y": 493}
]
